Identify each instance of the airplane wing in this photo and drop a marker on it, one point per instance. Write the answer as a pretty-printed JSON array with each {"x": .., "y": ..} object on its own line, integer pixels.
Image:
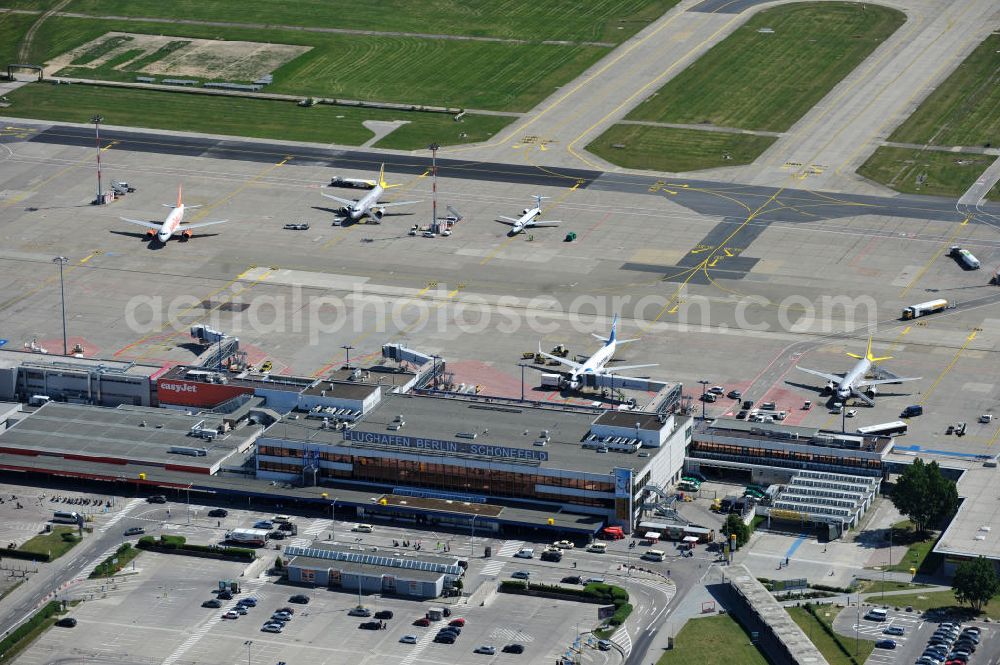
[
  {"x": 824, "y": 375},
  {"x": 617, "y": 341},
  {"x": 148, "y": 225},
  {"x": 398, "y": 203},
  {"x": 617, "y": 369},
  {"x": 565, "y": 361},
  {"x": 864, "y": 383},
  {"x": 544, "y": 223},
  {"x": 509, "y": 221},
  {"x": 186, "y": 227},
  {"x": 345, "y": 202}
]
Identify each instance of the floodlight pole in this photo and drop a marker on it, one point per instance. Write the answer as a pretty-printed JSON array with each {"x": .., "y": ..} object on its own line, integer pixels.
[
  {"x": 703, "y": 383},
  {"x": 522, "y": 380},
  {"x": 62, "y": 260},
  {"x": 434, "y": 172},
  {"x": 347, "y": 351},
  {"x": 97, "y": 120}
]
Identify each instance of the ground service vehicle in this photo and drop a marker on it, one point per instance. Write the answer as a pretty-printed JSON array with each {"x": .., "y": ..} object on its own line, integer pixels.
[
  {"x": 654, "y": 555},
  {"x": 884, "y": 429},
  {"x": 965, "y": 257},
  {"x": 66, "y": 517},
  {"x": 925, "y": 308}
]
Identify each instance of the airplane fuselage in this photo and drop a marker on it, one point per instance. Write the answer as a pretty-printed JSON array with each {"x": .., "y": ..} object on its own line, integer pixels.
[
  {"x": 594, "y": 364},
  {"x": 860, "y": 370},
  {"x": 363, "y": 206},
  {"x": 522, "y": 222},
  {"x": 170, "y": 224}
]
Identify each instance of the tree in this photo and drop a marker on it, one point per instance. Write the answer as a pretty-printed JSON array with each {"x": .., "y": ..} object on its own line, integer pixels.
[
  {"x": 976, "y": 583},
  {"x": 735, "y": 525},
  {"x": 924, "y": 495}
]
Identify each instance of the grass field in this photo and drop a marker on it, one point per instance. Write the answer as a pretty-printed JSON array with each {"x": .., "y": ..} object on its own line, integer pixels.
[
  {"x": 51, "y": 543},
  {"x": 487, "y": 75},
  {"x": 876, "y": 586},
  {"x": 948, "y": 173},
  {"x": 823, "y": 641},
  {"x": 596, "y": 20},
  {"x": 669, "y": 149},
  {"x": 965, "y": 109},
  {"x": 242, "y": 117},
  {"x": 753, "y": 80},
  {"x": 717, "y": 639},
  {"x": 12, "y": 28},
  {"x": 943, "y": 600}
]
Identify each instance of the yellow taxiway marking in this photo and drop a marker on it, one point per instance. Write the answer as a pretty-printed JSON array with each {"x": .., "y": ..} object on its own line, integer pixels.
[
  {"x": 968, "y": 340},
  {"x": 947, "y": 243},
  {"x": 228, "y": 197},
  {"x": 14, "y": 200}
]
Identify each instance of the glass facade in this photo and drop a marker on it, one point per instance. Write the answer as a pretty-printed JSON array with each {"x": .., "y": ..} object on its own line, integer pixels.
[
  {"x": 799, "y": 459},
  {"x": 440, "y": 475}
]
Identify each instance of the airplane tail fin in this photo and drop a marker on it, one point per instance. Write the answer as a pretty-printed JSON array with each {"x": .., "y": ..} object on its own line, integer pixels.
[
  {"x": 868, "y": 354},
  {"x": 381, "y": 178},
  {"x": 614, "y": 334},
  {"x": 180, "y": 195}
]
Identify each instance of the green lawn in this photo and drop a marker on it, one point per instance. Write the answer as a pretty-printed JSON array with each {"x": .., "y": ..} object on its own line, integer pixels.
[
  {"x": 116, "y": 562},
  {"x": 487, "y": 75},
  {"x": 596, "y": 20},
  {"x": 947, "y": 173},
  {"x": 51, "y": 543},
  {"x": 965, "y": 109},
  {"x": 669, "y": 149},
  {"x": 942, "y": 600},
  {"x": 241, "y": 117},
  {"x": 753, "y": 80},
  {"x": 876, "y": 586},
  {"x": 823, "y": 641},
  {"x": 12, "y": 28},
  {"x": 718, "y": 639}
]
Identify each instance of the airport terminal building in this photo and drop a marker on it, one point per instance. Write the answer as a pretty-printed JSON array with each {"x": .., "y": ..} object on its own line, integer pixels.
[{"x": 480, "y": 450}]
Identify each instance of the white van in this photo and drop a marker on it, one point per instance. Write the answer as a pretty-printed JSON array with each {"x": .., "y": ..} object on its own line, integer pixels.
[
  {"x": 363, "y": 528},
  {"x": 526, "y": 553},
  {"x": 597, "y": 548},
  {"x": 654, "y": 555}
]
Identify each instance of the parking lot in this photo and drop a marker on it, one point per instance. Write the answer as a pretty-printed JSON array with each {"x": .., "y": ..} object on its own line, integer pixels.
[
  {"x": 157, "y": 613},
  {"x": 917, "y": 629}
]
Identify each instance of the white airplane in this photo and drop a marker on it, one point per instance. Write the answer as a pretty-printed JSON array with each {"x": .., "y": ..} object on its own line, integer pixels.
[
  {"x": 171, "y": 226},
  {"x": 528, "y": 218},
  {"x": 854, "y": 383},
  {"x": 368, "y": 205},
  {"x": 595, "y": 364}
]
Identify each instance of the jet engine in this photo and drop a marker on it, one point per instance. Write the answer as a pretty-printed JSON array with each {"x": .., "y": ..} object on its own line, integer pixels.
[{"x": 376, "y": 214}]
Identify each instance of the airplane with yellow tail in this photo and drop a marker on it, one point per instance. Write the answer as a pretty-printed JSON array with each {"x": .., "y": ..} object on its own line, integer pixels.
[
  {"x": 855, "y": 382},
  {"x": 368, "y": 205}
]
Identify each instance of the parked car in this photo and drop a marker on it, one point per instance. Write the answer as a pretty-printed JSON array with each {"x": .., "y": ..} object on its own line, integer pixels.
[
  {"x": 241, "y": 609},
  {"x": 359, "y": 612},
  {"x": 282, "y": 616},
  {"x": 885, "y": 644},
  {"x": 717, "y": 390},
  {"x": 225, "y": 595},
  {"x": 525, "y": 553},
  {"x": 893, "y": 630},
  {"x": 250, "y": 601},
  {"x": 272, "y": 628},
  {"x": 66, "y": 622},
  {"x": 734, "y": 394},
  {"x": 408, "y": 639},
  {"x": 384, "y": 614},
  {"x": 564, "y": 544},
  {"x": 133, "y": 531},
  {"x": 231, "y": 614},
  {"x": 459, "y": 622},
  {"x": 212, "y": 603},
  {"x": 264, "y": 524},
  {"x": 571, "y": 579},
  {"x": 157, "y": 498},
  {"x": 521, "y": 575},
  {"x": 514, "y": 648},
  {"x": 552, "y": 555},
  {"x": 299, "y": 598},
  {"x": 604, "y": 645},
  {"x": 286, "y": 610},
  {"x": 276, "y": 535},
  {"x": 370, "y": 625},
  {"x": 444, "y": 638},
  {"x": 218, "y": 512},
  {"x": 486, "y": 649},
  {"x": 422, "y": 621}
]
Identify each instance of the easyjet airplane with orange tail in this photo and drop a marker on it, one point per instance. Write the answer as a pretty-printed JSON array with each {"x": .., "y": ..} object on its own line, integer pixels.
[{"x": 171, "y": 226}]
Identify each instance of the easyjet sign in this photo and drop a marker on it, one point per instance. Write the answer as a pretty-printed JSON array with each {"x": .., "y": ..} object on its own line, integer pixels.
[{"x": 192, "y": 393}]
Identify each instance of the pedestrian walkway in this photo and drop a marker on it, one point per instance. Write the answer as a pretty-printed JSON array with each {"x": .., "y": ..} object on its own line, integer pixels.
[
  {"x": 121, "y": 514},
  {"x": 510, "y": 548}
]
